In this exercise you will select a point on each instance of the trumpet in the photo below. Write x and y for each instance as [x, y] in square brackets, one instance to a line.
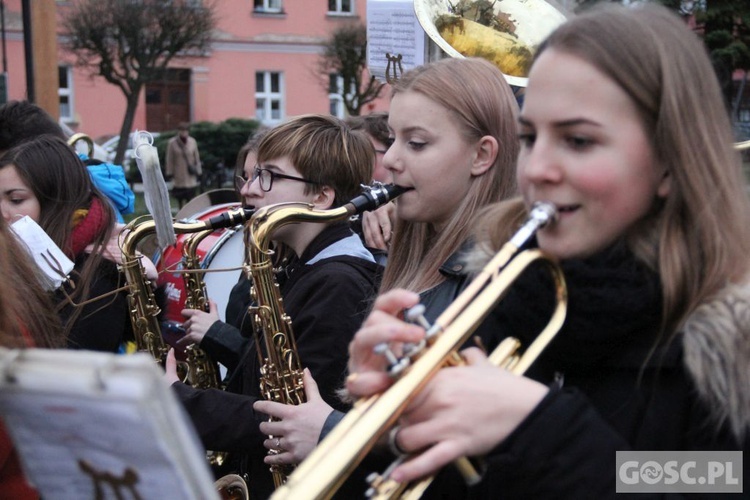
[329, 465]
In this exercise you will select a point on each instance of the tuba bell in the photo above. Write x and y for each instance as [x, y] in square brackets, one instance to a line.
[506, 32]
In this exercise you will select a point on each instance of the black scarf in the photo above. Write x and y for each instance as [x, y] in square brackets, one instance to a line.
[614, 305]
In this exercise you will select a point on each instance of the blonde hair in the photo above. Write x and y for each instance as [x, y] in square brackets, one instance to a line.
[698, 239]
[481, 103]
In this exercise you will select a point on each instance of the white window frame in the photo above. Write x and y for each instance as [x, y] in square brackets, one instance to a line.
[338, 11]
[67, 92]
[264, 115]
[337, 107]
[273, 6]
[335, 95]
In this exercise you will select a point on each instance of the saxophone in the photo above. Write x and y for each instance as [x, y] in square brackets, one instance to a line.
[204, 371]
[333, 460]
[142, 305]
[281, 370]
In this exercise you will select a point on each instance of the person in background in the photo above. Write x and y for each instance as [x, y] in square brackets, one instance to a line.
[183, 164]
[653, 237]
[22, 120]
[375, 125]
[44, 179]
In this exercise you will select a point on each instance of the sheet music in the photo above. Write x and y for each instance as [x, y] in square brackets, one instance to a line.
[392, 28]
[43, 250]
[83, 421]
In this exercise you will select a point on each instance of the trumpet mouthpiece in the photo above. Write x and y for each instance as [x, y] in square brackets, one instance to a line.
[544, 213]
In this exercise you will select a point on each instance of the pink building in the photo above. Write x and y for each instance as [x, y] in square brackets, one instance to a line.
[261, 65]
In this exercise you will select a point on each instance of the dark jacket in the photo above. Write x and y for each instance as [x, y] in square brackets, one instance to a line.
[327, 300]
[611, 390]
[102, 325]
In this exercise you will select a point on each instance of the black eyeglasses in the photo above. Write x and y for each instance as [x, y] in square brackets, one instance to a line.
[266, 179]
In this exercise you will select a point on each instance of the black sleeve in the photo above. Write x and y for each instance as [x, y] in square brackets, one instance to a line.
[225, 344]
[104, 324]
[224, 421]
[332, 420]
[566, 449]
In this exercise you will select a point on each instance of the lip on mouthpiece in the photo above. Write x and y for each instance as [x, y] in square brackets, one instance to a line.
[544, 213]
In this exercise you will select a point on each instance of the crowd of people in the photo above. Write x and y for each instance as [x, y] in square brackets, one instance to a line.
[651, 232]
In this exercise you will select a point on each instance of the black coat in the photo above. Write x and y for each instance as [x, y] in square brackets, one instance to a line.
[327, 302]
[102, 325]
[610, 390]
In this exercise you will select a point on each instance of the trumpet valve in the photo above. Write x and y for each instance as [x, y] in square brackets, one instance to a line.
[416, 315]
[395, 364]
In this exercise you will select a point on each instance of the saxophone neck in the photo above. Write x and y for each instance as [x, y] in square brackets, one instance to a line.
[373, 197]
[267, 219]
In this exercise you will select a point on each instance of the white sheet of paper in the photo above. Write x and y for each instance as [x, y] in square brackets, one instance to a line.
[392, 28]
[114, 413]
[38, 243]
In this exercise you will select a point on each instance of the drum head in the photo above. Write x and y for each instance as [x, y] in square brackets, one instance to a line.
[207, 200]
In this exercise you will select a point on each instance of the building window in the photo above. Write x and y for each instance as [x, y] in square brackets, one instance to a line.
[65, 92]
[340, 7]
[335, 84]
[267, 5]
[269, 97]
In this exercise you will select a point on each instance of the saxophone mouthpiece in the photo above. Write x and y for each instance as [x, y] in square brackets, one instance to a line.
[375, 195]
[230, 218]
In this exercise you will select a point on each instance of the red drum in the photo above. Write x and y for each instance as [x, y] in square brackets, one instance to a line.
[222, 249]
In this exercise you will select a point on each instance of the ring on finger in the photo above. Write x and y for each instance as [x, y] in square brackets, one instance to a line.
[393, 442]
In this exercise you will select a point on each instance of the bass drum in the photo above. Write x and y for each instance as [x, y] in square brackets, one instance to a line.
[222, 249]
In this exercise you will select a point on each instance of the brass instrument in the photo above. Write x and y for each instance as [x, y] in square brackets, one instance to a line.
[328, 466]
[281, 370]
[201, 371]
[141, 301]
[74, 139]
[505, 33]
[204, 370]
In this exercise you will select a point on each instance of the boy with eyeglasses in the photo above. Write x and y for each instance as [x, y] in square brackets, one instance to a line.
[327, 281]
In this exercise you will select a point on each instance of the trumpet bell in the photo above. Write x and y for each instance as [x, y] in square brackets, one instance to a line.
[504, 32]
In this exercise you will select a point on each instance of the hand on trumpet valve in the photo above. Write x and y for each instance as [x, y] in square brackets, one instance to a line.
[369, 369]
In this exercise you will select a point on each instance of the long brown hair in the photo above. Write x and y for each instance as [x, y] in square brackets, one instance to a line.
[62, 184]
[698, 239]
[480, 100]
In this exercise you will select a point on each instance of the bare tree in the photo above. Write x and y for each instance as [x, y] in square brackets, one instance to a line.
[130, 42]
[345, 55]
